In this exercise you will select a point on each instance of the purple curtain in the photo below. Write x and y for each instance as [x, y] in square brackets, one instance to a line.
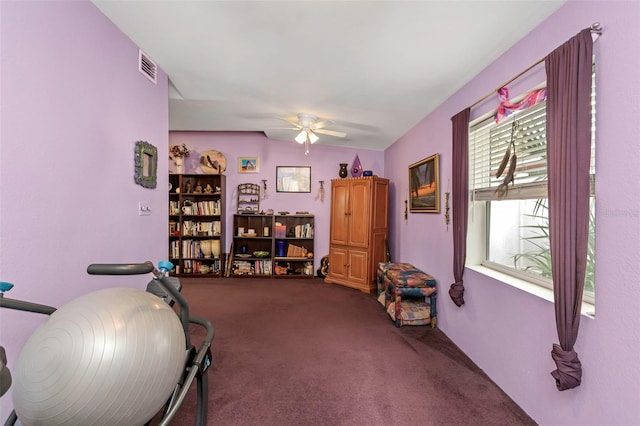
[459, 201]
[569, 70]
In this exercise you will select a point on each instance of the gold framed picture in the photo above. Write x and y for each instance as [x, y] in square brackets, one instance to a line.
[248, 164]
[424, 185]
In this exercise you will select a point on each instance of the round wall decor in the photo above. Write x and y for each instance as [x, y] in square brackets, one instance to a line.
[213, 162]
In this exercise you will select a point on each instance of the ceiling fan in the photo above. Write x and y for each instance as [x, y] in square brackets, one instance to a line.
[307, 127]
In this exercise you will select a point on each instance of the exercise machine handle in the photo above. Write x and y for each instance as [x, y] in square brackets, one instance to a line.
[21, 305]
[120, 268]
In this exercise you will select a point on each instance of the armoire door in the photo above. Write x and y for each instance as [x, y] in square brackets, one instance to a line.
[357, 267]
[339, 213]
[359, 213]
[338, 263]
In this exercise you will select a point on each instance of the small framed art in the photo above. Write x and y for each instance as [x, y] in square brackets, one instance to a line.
[248, 164]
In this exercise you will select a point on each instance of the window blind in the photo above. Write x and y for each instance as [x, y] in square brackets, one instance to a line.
[490, 141]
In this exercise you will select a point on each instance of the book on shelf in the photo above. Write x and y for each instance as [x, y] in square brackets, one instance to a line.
[296, 251]
[187, 227]
[208, 228]
[174, 207]
[262, 267]
[191, 249]
[304, 231]
[175, 249]
[199, 208]
[268, 267]
[208, 208]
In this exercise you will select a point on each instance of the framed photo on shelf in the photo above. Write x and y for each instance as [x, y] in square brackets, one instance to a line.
[248, 164]
[424, 185]
[293, 179]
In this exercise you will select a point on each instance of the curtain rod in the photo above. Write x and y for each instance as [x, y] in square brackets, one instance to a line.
[596, 31]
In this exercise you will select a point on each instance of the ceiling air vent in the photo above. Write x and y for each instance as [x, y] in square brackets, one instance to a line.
[147, 67]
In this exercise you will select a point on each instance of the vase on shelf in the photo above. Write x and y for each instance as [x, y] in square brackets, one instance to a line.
[215, 248]
[343, 173]
[205, 248]
[179, 164]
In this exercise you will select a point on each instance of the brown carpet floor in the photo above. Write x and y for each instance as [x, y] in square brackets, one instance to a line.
[302, 352]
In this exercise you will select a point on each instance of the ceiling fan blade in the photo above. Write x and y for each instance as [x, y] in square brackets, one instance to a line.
[293, 123]
[331, 133]
[284, 128]
[322, 124]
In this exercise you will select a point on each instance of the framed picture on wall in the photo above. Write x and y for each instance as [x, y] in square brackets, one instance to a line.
[146, 164]
[424, 185]
[293, 179]
[248, 164]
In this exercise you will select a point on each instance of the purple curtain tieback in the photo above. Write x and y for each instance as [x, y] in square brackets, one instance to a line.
[569, 372]
[456, 292]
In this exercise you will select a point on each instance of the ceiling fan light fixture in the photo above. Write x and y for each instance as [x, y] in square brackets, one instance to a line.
[302, 136]
[307, 126]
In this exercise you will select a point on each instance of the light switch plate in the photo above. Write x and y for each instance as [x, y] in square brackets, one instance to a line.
[144, 209]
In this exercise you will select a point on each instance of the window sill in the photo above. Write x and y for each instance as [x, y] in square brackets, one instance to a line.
[588, 310]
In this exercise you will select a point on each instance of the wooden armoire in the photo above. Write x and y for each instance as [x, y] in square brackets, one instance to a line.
[359, 230]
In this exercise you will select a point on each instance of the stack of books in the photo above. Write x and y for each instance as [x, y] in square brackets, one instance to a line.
[296, 251]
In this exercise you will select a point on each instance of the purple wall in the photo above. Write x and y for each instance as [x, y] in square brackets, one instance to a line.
[507, 332]
[73, 106]
[323, 159]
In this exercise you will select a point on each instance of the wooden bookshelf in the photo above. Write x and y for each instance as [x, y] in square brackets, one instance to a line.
[197, 224]
[286, 240]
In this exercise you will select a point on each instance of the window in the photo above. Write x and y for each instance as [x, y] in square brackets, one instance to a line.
[511, 222]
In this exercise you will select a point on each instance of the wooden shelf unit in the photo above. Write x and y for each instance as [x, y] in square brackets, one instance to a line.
[248, 198]
[288, 239]
[197, 220]
[251, 233]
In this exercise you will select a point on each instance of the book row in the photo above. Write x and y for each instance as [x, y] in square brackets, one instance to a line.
[199, 267]
[296, 251]
[298, 231]
[195, 208]
[258, 267]
[195, 249]
[190, 228]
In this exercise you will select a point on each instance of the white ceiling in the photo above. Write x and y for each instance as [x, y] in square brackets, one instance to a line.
[375, 68]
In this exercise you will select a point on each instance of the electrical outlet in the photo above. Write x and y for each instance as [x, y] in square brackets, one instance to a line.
[143, 209]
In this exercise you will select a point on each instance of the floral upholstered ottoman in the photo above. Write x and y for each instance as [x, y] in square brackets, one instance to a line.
[407, 294]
